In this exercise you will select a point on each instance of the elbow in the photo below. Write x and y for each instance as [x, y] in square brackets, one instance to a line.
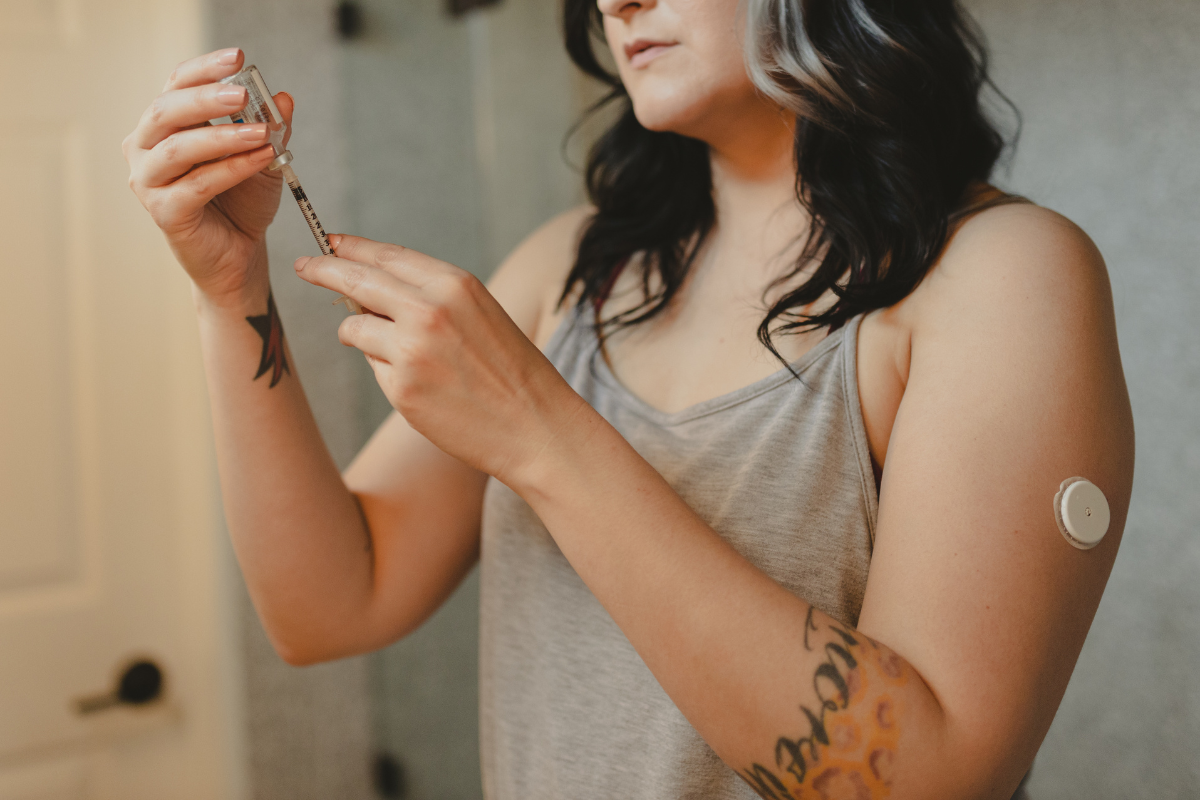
[297, 654]
[305, 650]
[306, 646]
[298, 657]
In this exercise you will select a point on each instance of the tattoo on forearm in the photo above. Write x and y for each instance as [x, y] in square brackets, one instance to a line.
[850, 743]
[274, 354]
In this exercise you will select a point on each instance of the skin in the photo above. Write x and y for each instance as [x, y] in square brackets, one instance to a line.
[992, 382]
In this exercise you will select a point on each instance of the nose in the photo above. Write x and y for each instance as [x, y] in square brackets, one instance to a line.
[624, 9]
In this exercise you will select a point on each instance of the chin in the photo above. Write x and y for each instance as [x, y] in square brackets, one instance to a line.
[695, 105]
[671, 112]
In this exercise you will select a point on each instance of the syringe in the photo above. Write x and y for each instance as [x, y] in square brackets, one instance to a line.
[260, 108]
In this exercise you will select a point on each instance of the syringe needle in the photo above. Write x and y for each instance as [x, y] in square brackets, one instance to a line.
[314, 225]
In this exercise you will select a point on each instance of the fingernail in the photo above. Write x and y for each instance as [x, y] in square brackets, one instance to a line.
[300, 262]
[230, 56]
[232, 95]
[252, 133]
[334, 240]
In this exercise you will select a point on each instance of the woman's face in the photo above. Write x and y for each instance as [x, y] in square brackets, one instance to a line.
[681, 62]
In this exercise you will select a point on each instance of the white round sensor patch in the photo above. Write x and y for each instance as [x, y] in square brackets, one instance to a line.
[1081, 511]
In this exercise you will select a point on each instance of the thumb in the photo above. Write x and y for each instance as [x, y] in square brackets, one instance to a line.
[286, 106]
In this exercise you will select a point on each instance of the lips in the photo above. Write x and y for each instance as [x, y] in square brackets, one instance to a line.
[641, 52]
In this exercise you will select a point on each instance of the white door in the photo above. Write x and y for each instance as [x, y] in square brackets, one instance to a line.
[109, 548]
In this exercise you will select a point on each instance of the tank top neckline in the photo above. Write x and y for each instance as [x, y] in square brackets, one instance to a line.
[574, 322]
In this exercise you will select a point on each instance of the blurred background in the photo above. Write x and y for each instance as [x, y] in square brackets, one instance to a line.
[441, 127]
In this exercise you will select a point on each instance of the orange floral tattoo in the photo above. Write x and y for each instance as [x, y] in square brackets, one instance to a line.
[850, 746]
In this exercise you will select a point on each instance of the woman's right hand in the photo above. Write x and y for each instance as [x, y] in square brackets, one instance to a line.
[204, 185]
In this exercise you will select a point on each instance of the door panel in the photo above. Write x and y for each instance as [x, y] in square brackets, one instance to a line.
[38, 489]
[40, 24]
[109, 536]
[60, 780]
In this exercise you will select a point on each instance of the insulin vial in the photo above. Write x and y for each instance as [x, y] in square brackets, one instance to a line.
[260, 108]
[1081, 511]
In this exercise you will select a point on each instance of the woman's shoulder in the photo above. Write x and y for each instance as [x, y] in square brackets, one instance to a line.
[1030, 264]
[1019, 310]
[530, 280]
[1018, 286]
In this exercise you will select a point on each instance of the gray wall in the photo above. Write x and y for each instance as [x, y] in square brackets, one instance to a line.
[1110, 90]
[454, 128]
[410, 118]
[309, 731]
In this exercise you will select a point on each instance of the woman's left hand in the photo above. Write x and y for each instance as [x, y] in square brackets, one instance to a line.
[446, 354]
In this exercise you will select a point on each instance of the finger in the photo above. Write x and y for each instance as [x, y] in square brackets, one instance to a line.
[208, 68]
[286, 106]
[410, 266]
[183, 150]
[186, 108]
[207, 181]
[374, 336]
[370, 286]
[383, 370]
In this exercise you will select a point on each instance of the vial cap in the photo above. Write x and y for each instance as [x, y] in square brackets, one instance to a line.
[280, 161]
[1081, 510]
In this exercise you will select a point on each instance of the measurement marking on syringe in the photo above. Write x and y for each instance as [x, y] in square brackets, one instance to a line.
[314, 225]
[310, 216]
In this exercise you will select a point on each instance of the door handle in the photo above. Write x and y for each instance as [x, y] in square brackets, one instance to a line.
[140, 683]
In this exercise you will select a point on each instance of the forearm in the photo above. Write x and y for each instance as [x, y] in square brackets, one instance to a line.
[779, 690]
[299, 536]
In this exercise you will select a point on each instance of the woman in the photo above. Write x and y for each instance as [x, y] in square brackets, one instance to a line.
[693, 585]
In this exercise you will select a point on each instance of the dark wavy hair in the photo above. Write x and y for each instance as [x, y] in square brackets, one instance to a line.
[891, 136]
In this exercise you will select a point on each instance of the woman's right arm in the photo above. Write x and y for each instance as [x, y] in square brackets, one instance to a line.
[335, 567]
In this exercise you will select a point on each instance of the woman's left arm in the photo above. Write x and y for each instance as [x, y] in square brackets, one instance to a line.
[976, 607]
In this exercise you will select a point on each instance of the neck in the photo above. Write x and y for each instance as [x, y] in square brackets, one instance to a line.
[754, 190]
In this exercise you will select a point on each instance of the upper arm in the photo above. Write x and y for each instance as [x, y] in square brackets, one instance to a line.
[423, 507]
[1015, 384]
[528, 283]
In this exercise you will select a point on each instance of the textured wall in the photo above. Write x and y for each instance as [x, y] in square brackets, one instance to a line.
[1110, 90]
[454, 129]
[309, 729]
[407, 85]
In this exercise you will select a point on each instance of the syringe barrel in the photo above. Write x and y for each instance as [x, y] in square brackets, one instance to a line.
[260, 108]
[310, 216]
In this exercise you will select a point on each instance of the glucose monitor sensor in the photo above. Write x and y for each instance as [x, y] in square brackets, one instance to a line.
[1081, 511]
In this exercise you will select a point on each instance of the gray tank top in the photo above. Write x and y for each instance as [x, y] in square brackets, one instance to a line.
[779, 468]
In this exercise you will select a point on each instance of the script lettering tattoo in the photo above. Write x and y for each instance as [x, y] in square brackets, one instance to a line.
[274, 355]
[850, 743]
[809, 625]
